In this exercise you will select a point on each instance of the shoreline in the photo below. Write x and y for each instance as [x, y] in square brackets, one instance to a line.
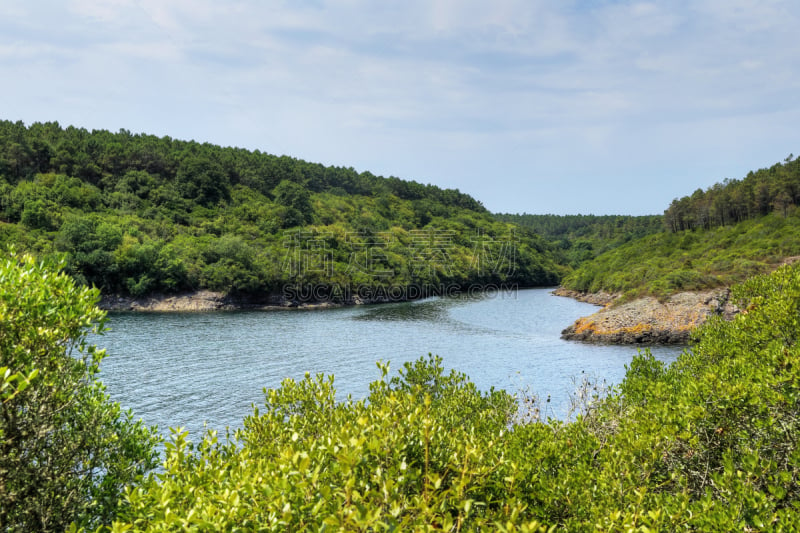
[595, 298]
[206, 300]
[647, 320]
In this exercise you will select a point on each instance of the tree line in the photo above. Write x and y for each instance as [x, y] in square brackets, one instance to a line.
[767, 190]
[579, 238]
[201, 172]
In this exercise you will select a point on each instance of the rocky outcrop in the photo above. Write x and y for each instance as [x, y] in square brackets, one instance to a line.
[204, 300]
[193, 301]
[650, 321]
[596, 298]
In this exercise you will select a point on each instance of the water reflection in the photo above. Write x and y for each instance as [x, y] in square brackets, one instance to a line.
[428, 310]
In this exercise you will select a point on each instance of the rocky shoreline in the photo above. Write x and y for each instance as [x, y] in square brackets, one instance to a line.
[596, 298]
[647, 320]
[643, 321]
[204, 300]
[184, 302]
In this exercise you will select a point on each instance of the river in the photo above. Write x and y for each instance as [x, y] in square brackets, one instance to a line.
[191, 369]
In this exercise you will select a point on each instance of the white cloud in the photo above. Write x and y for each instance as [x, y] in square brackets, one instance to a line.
[438, 90]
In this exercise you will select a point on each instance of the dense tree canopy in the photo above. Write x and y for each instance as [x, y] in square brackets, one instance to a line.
[137, 214]
[668, 262]
[580, 238]
[714, 238]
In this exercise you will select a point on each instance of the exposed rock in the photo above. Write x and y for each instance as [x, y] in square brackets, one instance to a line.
[198, 301]
[596, 298]
[193, 301]
[649, 321]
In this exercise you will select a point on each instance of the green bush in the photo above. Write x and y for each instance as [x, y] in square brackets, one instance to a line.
[423, 452]
[66, 451]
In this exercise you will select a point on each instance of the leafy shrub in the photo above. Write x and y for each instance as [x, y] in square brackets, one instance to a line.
[66, 451]
[415, 455]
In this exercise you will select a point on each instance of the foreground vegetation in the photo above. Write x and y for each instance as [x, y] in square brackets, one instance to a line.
[66, 450]
[708, 443]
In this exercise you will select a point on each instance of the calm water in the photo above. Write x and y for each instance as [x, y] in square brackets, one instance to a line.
[188, 368]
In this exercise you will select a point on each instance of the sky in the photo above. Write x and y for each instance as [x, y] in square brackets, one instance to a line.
[536, 106]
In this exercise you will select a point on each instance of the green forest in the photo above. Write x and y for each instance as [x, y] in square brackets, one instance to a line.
[714, 238]
[774, 189]
[576, 239]
[137, 214]
[667, 262]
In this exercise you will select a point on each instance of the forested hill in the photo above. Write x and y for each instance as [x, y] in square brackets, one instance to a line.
[201, 174]
[579, 238]
[768, 190]
[137, 214]
[717, 237]
[606, 227]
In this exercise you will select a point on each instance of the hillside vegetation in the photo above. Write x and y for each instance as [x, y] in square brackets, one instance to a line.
[703, 245]
[669, 262]
[579, 238]
[137, 214]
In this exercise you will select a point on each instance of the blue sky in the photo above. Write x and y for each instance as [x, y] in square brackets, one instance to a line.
[604, 107]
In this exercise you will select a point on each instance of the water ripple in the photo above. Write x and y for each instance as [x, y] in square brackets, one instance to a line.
[186, 369]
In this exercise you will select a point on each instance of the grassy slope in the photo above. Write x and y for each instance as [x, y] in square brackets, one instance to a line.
[691, 260]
